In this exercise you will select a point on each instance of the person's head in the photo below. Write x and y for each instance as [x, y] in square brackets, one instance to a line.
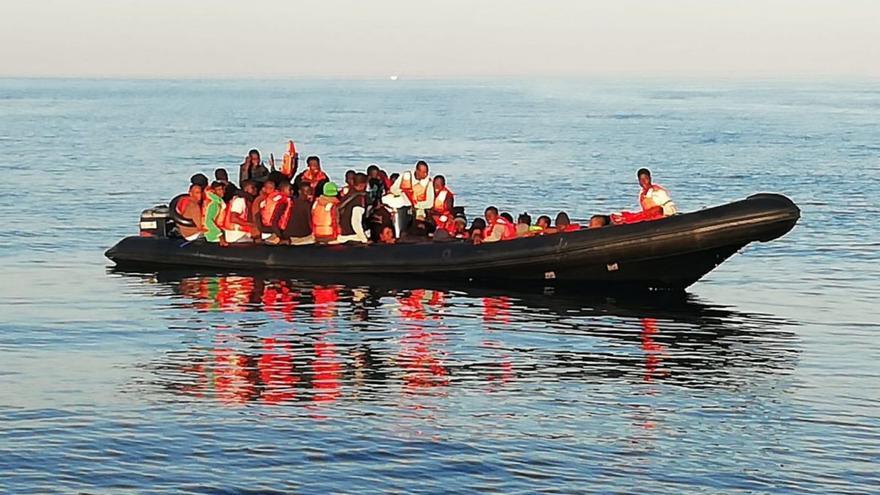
[562, 220]
[394, 177]
[439, 183]
[221, 175]
[373, 171]
[218, 188]
[460, 224]
[250, 187]
[507, 216]
[478, 226]
[524, 218]
[491, 214]
[349, 177]
[597, 221]
[200, 180]
[306, 191]
[543, 222]
[268, 187]
[285, 188]
[254, 158]
[359, 182]
[195, 192]
[314, 163]
[386, 235]
[421, 170]
[644, 176]
[330, 190]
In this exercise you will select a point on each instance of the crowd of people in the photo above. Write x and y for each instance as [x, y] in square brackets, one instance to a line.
[277, 205]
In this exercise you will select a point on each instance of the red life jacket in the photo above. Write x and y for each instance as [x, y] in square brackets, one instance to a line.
[442, 216]
[509, 229]
[314, 179]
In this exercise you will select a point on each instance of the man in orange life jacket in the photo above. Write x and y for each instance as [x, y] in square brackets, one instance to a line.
[412, 189]
[444, 201]
[325, 215]
[272, 213]
[237, 226]
[312, 175]
[498, 228]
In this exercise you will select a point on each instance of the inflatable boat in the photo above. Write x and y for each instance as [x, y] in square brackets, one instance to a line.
[666, 254]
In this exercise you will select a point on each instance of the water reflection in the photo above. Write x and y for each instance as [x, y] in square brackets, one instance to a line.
[286, 341]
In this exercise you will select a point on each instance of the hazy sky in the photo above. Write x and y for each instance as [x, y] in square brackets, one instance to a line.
[443, 39]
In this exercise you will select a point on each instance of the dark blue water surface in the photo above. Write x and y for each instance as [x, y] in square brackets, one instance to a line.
[764, 378]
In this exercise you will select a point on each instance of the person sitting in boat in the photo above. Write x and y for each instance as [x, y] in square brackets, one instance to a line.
[299, 228]
[192, 211]
[312, 175]
[654, 200]
[563, 223]
[229, 189]
[349, 184]
[477, 231]
[653, 195]
[444, 202]
[325, 215]
[377, 184]
[597, 221]
[457, 230]
[237, 227]
[386, 235]
[272, 209]
[498, 228]
[352, 211]
[215, 214]
[380, 217]
[252, 168]
[412, 189]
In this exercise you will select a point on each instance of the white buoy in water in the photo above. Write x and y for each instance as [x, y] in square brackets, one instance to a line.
[394, 77]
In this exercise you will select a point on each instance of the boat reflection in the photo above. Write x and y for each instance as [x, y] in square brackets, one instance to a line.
[278, 341]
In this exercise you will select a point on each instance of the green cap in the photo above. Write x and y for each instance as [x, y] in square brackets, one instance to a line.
[330, 189]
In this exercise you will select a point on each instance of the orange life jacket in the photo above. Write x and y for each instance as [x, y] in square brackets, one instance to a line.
[269, 206]
[509, 231]
[289, 158]
[325, 222]
[314, 179]
[440, 200]
[414, 190]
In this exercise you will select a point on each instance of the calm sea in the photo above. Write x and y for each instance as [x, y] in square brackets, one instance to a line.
[764, 378]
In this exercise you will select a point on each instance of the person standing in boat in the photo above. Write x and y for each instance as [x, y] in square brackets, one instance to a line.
[252, 168]
[653, 196]
[414, 189]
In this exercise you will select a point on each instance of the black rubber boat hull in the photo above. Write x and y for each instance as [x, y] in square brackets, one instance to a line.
[671, 253]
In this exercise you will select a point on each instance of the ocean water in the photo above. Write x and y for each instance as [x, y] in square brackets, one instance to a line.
[763, 378]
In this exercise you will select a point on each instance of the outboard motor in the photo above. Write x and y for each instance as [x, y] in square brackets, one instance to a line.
[156, 222]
